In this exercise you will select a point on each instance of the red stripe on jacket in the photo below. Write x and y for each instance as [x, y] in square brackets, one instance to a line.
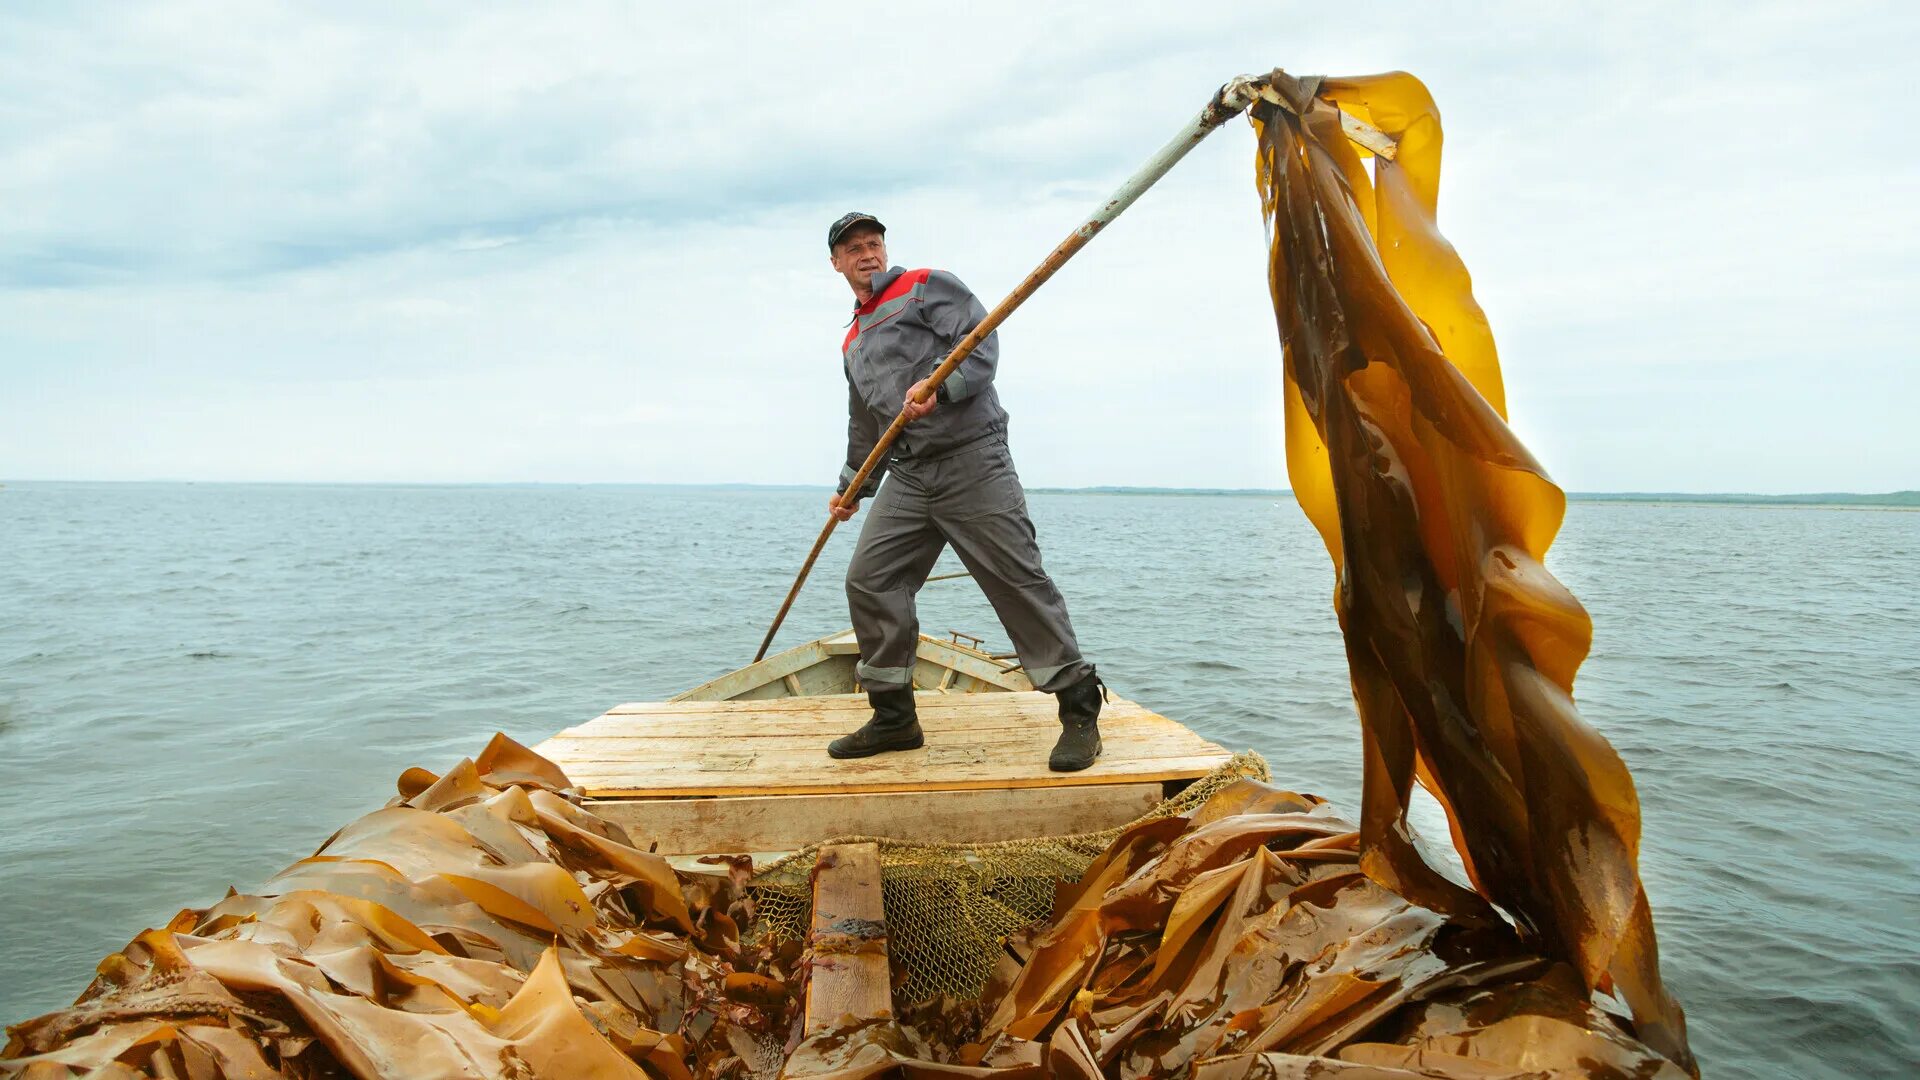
[901, 286]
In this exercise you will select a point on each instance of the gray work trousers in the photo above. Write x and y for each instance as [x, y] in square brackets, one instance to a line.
[974, 501]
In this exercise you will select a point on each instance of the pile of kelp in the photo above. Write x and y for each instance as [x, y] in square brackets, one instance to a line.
[1243, 940]
[484, 924]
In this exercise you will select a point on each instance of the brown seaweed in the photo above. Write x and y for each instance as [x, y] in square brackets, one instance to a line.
[1462, 647]
[481, 925]
[1245, 940]
[472, 930]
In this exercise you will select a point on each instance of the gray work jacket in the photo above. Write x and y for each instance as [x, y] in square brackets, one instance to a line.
[897, 338]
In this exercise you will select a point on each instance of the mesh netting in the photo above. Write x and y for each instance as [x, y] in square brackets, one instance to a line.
[949, 906]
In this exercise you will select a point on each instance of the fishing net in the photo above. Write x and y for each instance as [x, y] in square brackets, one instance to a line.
[950, 907]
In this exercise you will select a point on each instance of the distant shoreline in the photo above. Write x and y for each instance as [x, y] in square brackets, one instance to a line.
[1897, 500]
[1893, 500]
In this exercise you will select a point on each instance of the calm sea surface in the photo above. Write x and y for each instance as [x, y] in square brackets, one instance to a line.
[198, 683]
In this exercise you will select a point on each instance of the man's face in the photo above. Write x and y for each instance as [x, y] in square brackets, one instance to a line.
[859, 255]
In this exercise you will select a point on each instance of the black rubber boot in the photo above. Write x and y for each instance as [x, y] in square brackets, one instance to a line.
[894, 726]
[1079, 725]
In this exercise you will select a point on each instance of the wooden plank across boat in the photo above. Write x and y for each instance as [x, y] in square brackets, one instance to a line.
[739, 764]
[825, 667]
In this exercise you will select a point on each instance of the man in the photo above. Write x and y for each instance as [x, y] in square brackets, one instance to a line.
[952, 483]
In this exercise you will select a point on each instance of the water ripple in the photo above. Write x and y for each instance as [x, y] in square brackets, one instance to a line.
[198, 683]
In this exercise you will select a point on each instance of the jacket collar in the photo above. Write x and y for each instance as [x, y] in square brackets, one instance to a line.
[880, 282]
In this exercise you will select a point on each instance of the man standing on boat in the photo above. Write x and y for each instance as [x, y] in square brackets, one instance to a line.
[952, 483]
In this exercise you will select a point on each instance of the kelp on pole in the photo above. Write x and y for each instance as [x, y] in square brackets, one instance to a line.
[1462, 647]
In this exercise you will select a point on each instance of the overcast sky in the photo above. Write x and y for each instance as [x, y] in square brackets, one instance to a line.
[242, 241]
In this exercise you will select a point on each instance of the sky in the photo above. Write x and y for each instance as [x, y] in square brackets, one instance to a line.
[586, 242]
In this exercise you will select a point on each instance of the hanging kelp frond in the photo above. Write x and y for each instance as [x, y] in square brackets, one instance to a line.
[1462, 646]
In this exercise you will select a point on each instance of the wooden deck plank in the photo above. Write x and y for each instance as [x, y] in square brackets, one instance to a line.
[981, 709]
[988, 700]
[617, 784]
[778, 748]
[974, 741]
[807, 729]
[677, 826]
[937, 712]
[849, 940]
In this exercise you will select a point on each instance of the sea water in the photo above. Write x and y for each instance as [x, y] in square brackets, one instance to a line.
[198, 683]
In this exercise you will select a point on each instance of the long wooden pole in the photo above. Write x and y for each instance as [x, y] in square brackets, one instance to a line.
[1228, 103]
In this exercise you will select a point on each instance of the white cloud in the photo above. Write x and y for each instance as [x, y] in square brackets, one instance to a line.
[584, 242]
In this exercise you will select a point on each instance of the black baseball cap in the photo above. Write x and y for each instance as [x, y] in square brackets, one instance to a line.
[848, 221]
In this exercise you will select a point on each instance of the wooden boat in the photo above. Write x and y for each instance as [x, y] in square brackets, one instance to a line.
[739, 763]
[826, 667]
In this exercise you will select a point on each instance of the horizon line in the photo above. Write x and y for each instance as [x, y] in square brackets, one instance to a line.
[1905, 496]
